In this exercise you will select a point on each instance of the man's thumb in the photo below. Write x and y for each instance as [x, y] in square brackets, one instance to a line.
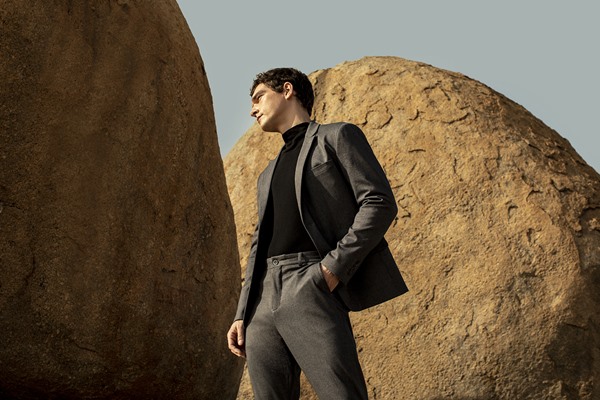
[240, 337]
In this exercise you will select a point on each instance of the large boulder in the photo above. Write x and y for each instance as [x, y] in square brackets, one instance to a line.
[118, 261]
[498, 236]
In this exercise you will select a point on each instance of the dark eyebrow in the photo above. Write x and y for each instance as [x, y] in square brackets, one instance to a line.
[257, 94]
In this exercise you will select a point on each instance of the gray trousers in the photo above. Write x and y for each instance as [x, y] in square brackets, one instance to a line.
[299, 325]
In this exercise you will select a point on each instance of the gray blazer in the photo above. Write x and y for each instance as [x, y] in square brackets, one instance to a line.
[346, 205]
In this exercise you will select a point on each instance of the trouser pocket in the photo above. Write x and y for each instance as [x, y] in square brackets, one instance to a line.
[318, 280]
[275, 278]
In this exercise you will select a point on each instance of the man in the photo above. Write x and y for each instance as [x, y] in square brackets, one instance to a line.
[324, 205]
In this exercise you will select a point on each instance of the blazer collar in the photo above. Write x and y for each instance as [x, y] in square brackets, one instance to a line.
[312, 129]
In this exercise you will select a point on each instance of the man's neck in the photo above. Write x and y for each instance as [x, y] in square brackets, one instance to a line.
[298, 119]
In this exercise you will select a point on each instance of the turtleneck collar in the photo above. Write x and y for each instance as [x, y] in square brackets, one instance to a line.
[295, 133]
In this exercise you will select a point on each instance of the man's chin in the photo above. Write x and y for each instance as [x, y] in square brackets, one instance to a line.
[267, 128]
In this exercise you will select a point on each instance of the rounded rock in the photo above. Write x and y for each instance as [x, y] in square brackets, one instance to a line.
[497, 236]
[118, 259]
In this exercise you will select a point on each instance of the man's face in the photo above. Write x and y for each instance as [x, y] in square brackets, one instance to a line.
[268, 107]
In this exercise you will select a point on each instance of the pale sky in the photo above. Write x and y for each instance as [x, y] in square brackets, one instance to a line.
[541, 54]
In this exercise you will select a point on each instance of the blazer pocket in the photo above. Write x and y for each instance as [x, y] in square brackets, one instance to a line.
[319, 169]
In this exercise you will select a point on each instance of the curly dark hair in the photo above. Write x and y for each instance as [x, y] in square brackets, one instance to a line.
[276, 77]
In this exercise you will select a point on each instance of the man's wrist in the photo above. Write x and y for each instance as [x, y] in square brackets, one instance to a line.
[330, 278]
[327, 270]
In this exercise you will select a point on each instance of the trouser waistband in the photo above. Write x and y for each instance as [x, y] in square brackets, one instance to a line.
[300, 258]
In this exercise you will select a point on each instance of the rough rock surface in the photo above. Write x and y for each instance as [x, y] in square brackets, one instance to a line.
[498, 236]
[118, 259]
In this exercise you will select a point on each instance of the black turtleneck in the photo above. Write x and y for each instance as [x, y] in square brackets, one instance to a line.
[288, 235]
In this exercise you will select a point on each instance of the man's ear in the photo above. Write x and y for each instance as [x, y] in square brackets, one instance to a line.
[288, 90]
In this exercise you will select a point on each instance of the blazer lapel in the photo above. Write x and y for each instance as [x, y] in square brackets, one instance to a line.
[306, 145]
[264, 187]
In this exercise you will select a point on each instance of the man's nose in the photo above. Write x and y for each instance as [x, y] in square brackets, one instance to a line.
[253, 111]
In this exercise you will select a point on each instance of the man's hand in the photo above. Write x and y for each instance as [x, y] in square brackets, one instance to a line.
[330, 278]
[236, 340]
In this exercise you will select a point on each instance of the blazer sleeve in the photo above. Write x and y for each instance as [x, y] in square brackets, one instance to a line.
[376, 204]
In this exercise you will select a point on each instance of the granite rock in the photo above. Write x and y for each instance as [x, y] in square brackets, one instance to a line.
[118, 260]
[497, 235]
